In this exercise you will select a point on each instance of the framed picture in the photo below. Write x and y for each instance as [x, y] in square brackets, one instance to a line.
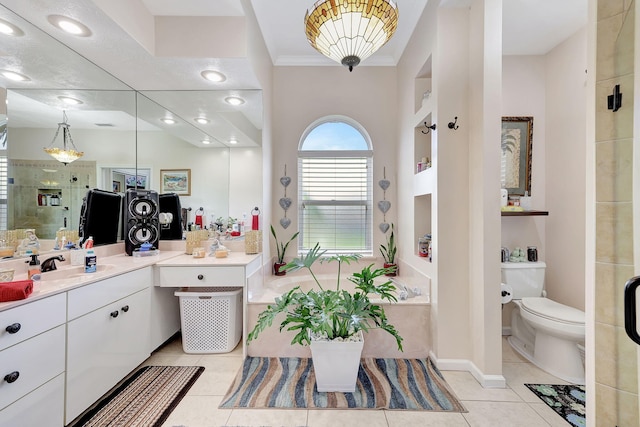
[515, 164]
[175, 181]
[116, 186]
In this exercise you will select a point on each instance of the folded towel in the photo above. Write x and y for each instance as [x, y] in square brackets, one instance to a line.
[13, 291]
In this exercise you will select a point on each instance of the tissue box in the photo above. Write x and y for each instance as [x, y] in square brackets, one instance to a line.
[525, 202]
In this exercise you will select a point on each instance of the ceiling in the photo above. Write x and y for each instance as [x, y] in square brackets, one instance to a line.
[530, 27]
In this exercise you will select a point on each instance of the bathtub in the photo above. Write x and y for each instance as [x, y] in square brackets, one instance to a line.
[410, 317]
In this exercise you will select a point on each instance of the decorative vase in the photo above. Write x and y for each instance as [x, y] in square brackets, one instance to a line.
[336, 364]
[277, 268]
[387, 265]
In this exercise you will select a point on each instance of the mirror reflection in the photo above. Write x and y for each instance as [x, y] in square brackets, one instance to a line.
[125, 136]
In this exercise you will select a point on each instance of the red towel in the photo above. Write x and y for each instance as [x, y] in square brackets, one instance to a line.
[13, 291]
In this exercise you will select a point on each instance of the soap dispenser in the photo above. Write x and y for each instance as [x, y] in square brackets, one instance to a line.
[34, 266]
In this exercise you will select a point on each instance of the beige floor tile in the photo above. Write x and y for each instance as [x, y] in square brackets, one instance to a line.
[549, 415]
[173, 359]
[502, 414]
[217, 376]
[358, 417]
[268, 417]
[198, 411]
[509, 355]
[467, 388]
[425, 419]
[519, 374]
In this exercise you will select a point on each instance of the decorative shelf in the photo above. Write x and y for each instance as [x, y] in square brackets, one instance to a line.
[524, 213]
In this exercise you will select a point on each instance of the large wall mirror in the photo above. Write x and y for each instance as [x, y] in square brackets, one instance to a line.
[124, 134]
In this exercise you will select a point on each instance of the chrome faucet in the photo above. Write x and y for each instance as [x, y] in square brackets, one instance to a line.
[49, 264]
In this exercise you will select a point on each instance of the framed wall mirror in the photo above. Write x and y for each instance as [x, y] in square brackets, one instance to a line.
[515, 164]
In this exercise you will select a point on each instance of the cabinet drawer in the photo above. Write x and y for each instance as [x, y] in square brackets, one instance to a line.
[32, 319]
[44, 407]
[37, 360]
[201, 276]
[91, 297]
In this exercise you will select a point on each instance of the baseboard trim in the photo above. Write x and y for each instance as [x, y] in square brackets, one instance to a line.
[506, 331]
[486, 381]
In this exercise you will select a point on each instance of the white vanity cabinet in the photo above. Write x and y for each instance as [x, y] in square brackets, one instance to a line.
[32, 353]
[107, 336]
[238, 269]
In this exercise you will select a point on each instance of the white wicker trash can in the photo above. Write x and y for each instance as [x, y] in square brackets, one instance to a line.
[211, 319]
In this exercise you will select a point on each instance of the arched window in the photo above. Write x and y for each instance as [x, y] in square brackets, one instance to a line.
[334, 187]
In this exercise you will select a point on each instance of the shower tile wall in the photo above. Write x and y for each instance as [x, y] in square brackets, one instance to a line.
[616, 363]
[31, 177]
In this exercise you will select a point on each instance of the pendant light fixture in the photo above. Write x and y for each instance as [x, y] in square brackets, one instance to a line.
[68, 153]
[349, 31]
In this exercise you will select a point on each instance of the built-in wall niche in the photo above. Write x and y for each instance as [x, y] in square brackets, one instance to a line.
[422, 222]
[422, 146]
[422, 86]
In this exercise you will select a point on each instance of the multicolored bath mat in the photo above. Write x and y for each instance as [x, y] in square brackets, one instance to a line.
[567, 400]
[145, 399]
[289, 382]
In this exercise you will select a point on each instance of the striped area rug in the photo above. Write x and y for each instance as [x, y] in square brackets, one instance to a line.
[289, 382]
[143, 400]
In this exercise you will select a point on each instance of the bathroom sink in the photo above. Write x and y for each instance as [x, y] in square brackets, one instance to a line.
[72, 272]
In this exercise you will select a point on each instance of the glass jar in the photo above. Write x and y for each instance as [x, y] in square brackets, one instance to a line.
[424, 245]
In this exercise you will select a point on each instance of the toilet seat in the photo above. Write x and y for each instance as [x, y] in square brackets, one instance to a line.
[549, 309]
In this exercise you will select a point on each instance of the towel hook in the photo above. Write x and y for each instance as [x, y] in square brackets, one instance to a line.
[453, 125]
[432, 127]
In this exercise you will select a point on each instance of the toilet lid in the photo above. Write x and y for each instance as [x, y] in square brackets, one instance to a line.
[552, 310]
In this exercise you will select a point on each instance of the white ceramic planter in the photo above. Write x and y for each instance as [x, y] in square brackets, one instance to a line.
[336, 364]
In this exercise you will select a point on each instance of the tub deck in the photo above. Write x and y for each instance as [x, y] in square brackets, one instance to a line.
[411, 317]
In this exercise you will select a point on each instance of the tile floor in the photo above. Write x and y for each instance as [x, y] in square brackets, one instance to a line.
[512, 406]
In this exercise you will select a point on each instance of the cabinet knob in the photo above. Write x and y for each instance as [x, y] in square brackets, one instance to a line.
[125, 308]
[114, 314]
[12, 329]
[200, 276]
[12, 377]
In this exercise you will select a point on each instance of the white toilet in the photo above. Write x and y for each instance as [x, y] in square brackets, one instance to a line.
[545, 332]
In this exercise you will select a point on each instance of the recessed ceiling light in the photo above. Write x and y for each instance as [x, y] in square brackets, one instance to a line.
[70, 101]
[234, 100]
[206, 141]
[9, 29]
[12, 75]
[233, 141]
[201, 120]
[69, 25]
[213, 76]
[168, 121]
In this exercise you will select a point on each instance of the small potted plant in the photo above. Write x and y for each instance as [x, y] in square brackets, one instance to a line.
[281, 251]
[388, 252]
[332, 321]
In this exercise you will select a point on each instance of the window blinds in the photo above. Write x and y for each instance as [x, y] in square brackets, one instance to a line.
[335, 201]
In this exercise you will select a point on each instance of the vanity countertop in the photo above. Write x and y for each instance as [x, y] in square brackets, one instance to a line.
[235, 259]
[119, 264]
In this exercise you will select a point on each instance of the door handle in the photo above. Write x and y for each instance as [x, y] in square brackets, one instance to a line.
[630, 308]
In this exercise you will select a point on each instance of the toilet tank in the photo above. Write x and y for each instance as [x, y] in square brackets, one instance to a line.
[525, 278]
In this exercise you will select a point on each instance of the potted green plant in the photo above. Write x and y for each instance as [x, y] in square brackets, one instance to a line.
[388, 252]
[332, 321]
[281, 249]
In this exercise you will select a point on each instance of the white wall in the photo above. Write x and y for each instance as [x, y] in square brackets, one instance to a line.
[304, 94]
[565, 169]
[552, 89]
